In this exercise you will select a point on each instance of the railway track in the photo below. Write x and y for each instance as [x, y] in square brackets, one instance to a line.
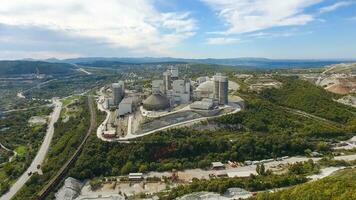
[62, 172]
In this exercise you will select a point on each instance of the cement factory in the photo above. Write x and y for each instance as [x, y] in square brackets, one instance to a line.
[172, 100]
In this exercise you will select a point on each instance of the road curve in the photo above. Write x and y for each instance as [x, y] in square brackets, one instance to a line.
[41, 154]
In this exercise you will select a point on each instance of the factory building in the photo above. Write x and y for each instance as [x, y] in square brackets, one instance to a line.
[204, 104]
[174, 73]
[167, 80]
[221, 86]
[158, 86]
[125, 106]
[118, 90]
[181, 91]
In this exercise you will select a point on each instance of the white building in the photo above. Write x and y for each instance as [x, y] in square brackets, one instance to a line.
[125, 106]
[158, 86]
[118, 90]
[70, 190]
[174, 73]
[181, 91]
[205, 104]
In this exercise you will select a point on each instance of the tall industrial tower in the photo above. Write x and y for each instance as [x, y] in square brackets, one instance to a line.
[118, 90]
[221, 85]
[167, 80]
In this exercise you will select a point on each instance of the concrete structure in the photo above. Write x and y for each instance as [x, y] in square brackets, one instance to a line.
[158, 86]
[118, 91]
[156, 102]
[221, 86]
[125, 106]
[205, 104]
[135, 176]
[174, 73]
[109, 133]
[181, 91]
[70, 190]
[167, 81]
[217, 165]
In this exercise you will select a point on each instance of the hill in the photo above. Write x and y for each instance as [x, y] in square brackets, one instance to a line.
[10, 68]
[340, 186]
[302, 95]
[256, 63]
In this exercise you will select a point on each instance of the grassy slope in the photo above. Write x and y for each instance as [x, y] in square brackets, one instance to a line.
[29, 67]
[305, 96]
[341, 186]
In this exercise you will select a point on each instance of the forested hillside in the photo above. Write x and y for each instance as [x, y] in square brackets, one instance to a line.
[341, 186]
[30, 67]
[302, 95]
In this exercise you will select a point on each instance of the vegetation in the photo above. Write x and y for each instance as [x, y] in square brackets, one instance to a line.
[17, 134]
[66, 86]
[220, 185]
[66, 139]
[302, 95]
[32, 67]
[267, 132]
[340, 186]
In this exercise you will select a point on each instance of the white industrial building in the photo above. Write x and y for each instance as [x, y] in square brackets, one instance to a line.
[118, 90]
[204, 104]
[158, 86]
[181, 91]
[125, 106]
[174, 72]
[70, 190]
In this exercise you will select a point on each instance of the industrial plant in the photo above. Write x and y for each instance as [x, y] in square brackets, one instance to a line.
[175, 99]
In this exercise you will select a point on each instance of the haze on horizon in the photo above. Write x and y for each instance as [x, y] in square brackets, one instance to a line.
[293, 29]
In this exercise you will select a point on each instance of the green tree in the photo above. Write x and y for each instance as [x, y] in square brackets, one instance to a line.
[127, 168]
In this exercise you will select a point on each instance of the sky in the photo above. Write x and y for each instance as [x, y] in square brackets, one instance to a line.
[279, 29]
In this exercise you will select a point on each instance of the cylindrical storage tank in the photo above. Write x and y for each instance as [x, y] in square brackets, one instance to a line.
[216, 87]
[167, 81]
[117, 93]
[223, 91]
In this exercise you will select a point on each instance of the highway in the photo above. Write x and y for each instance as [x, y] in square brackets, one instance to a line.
[41, 154]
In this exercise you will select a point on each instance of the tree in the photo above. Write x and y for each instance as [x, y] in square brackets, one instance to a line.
[260, 169]
[143, 168]
[127, 168]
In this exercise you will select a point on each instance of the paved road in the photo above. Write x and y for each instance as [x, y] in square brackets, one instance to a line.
[64, 169]
[41, 154]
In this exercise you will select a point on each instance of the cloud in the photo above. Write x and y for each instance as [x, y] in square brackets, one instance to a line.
[135, 24]
[279, 34]
[222, 40]
[245, 16]
[335, 6]
[6, 54]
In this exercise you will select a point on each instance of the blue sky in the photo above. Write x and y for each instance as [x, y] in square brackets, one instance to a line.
[294, 29]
